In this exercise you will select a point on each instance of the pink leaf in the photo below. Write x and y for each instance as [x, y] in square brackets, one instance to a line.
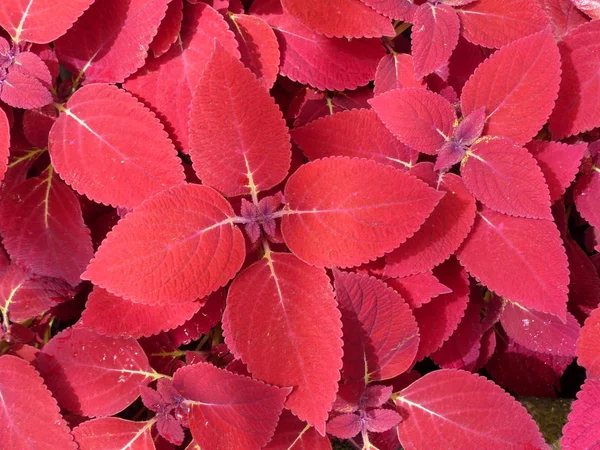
[503, 253]
[99, 46]
[93, 375]
[588, 346]
[28, 82]
[29, 415]
[434, 37]
[106, 145]
[239, 142]
[151, 255]
[344, 426]
[531, 68]
[418, 289]
[292, 306]
[563, 15]
[293, 433]
[496, 23]
[396, 71]
[166, 84]
[582, 430]
[505, 176]
[335, 218]
[465, 410]
[112, 433]
[380, 420]
[168, 30]
[590, 7]
[356, 21]
[578, 108]
[381, 337]
[586, 193]
[356, 133]
[4, 143]
[39, 21]
[228, 410]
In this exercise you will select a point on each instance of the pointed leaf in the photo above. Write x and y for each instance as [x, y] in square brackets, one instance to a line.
[228, 410]
[112, 433]
[292, 433]
[421, 119]
[151, 256]
[505, 176]
[93, 375]
[418, 289]
[582, 430]
[465, 409]
[396, 71]
[293, 306]
[520, 105]
[29, 415]
[503, 253]
[239, 142]
[168, 31]
[588, 346]
[106, 145]
[336, 218]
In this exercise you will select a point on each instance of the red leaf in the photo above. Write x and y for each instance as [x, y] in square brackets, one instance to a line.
[381, 337]
[380, 420]
[418, 289]
[258, 46]
[43, 229]
[463, 62]
[4, 143]
[228, 410]
[27, 84]
[590, 7]
[93, 375]
[293, 306]
[293, 433]
[421, 119]
[306, 56]
[583, 424]
[542, 333]
[466, 411]
[239, 142]
[563, 15]
[344, 426]
[584, 284]
[151, 256]
[29, 415]
[588, 346]
[114, 316]
[396, 9]
[112, 433]
[496, 23]
[356, 21]
[168, 30]
[201, 322]
[443, 231]
[396, 71]
[434, 37]
[335, 218]
[37, 124]
[166, 84]
[505, 176]
[105, 142]
[578, 108]
[355, 133]
[111, 40]
[520, 105]
[503, 253]
[39, 21]
[586, 193]
[559, 163]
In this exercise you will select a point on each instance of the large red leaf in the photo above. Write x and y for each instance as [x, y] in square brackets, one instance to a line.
[111, 40]
[503, 252]
[113, 433]
[311, 58]
[582, 430]
[578, 108]
[586, 193]
[239, 142]
[114, 316]
[94, 375]
[395, 71]
[106, 145]
[396, 9]
[4, 143]
[345, 212]
[29, 416]
[457, 409]
[355, 133]
[588, 346]
[434, 37]
[563, 15]
[421, 119]
[229, 411]
[168, 31]
[381, 337]
[293, 434]
[43, 228]
[166, 84]
[519, 102]
[40, 21]
[505, 176]
[496, 23]
[280, 337]
[418, 289]
[443, 231]
[542, 333]
[151, 256]
[339, 18]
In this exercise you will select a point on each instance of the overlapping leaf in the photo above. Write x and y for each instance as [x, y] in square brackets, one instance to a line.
[563, 15]
[583, 424]
[396, 9]
[168, 31]
[292, 433]
[418, 289]
[395, 71]
[27, 83]
[112, 433]
[590, 7]
[588, 346]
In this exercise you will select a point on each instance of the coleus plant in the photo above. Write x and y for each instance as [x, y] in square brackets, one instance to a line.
[260, 224]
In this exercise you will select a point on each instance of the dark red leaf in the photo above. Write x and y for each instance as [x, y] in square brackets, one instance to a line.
[201, 323]
[168, 30]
